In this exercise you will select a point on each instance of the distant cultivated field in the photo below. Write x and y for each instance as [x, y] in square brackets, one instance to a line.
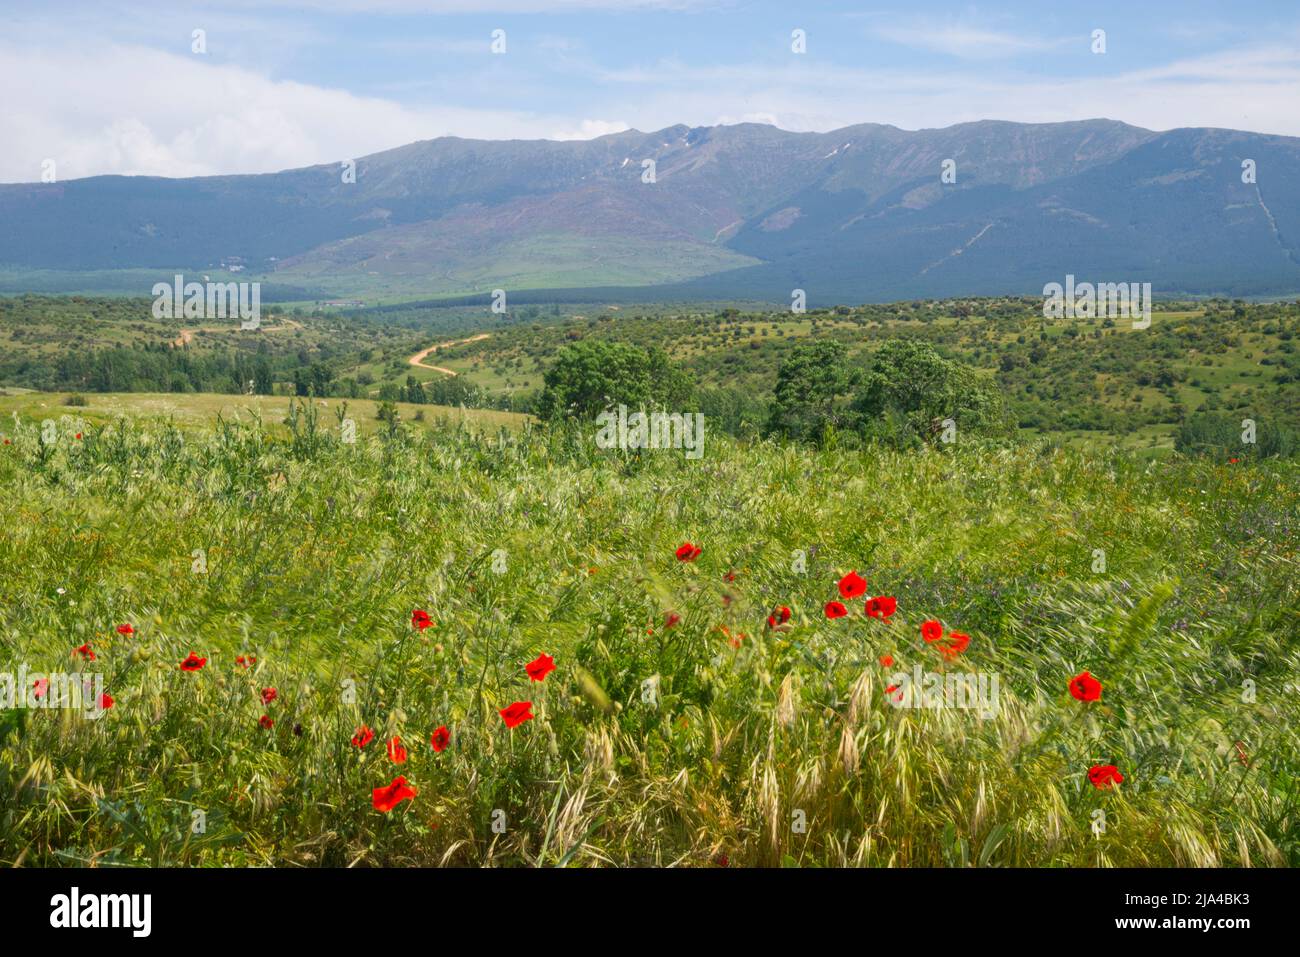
[192, 410]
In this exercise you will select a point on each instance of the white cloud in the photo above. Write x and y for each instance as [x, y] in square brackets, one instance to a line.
[590, 129]
[965, 42]
[104, 108]
[138, 111]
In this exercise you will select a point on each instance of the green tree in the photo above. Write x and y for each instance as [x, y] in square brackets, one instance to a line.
[593, 375]
[813, 389]
[909, 389]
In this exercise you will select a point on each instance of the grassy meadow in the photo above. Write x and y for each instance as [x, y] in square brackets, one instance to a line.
[679, 726]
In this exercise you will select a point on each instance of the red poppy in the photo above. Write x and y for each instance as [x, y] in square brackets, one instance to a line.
[244, 662]
[835, 609]
[956, 644]
[671, 619]
[7, 442]
[269, 695]
[193, 662]
[420, 619]
[387, 798]
[539, 668]
[517, 713]
[1103, 776]
[779, 617]
[440, 738]
[887, 661]
[1085, 687]
[41, 685]
[363, 736]
[396, 753]
[85, 652]
[78, 435]
[125, 630]
[686, 552]
[931, 630]
[731, 576]
[881, 607]
[852, 585]
[105, 701]
[265, 721]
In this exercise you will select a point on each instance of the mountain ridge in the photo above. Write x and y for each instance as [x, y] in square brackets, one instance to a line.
[861, 212]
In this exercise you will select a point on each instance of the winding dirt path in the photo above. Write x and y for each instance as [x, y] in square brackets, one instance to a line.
[187, 335]
[418, 358]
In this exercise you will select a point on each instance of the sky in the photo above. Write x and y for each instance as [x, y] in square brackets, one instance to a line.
[114, 87]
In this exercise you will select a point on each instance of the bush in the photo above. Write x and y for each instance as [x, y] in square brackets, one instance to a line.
[1224, 436]
[593, 375]
[77, 400]
[910, 390]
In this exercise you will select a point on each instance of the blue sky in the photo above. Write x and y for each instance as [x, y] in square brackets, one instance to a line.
[109, 87]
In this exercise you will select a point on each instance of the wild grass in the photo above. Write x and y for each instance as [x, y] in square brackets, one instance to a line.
[776, 748]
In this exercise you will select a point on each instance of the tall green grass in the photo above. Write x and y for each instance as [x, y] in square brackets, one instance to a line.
[783, 750]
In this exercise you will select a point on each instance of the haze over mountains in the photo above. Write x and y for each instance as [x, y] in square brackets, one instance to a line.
[745, 211]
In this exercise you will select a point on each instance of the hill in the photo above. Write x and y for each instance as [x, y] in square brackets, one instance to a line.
[858, 214]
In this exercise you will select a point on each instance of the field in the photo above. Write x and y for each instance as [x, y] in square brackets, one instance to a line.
[200, 411]
[717, 738]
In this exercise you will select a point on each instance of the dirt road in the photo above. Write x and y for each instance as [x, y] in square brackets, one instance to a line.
[187, 335]
[418, 358]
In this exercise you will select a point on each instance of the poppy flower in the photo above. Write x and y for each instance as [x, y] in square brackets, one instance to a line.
[420, 619]
[269, 695]
[671, 619]
[85, 652]
[125, 630]
[686, 552]
[779, 617]
[105, 701]
[539, 668]
[7, 442]
[193, 662]
[1103, 776]
[266, 722]
[439, 739]
[41, 685]
[244, 662]
[1085, 687]
[956, 644]
[881, 607]
[78, 435]
[731, 576]
[835, 609]
[396, 753]
[852, 585]
[931, 630]
[517, 713]
[887, 661]
[363, 736]
[387, 798]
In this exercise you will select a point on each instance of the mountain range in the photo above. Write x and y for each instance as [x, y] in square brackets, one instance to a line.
[746, 211]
